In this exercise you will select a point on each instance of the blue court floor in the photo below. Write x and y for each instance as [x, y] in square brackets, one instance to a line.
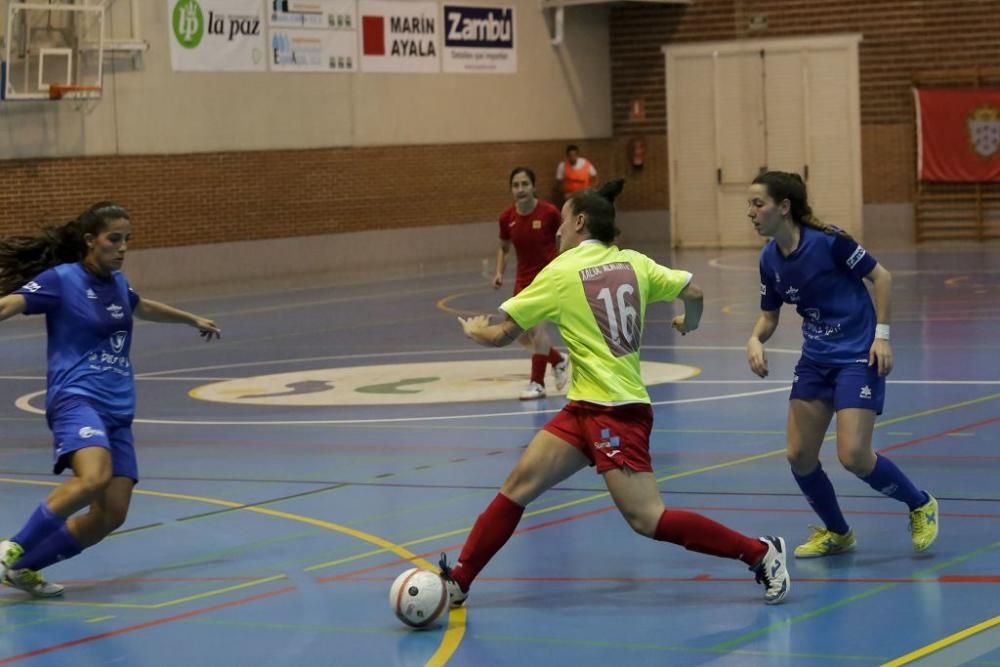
[338, 432]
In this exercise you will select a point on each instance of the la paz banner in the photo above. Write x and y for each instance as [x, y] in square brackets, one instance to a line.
[217, 35]
[958, 134]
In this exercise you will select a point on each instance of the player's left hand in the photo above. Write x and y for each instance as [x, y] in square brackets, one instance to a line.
[680, 323]
[880, 355]
[471, 325]
[207, 329]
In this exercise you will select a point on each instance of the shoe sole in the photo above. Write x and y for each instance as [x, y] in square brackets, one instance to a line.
[832, 553]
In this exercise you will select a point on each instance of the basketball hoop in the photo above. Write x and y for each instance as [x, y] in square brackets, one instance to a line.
[73, 92]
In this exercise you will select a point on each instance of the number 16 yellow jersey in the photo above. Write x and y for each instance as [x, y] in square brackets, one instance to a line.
[597, 295]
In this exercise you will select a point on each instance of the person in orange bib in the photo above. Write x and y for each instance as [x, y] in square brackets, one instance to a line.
[575, 173]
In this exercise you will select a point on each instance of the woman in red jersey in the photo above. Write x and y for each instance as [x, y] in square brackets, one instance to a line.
[530, 225]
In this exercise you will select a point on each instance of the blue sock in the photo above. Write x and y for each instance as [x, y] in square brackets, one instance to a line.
[42, 523]
[818, 490]
[890, 481]
[60, 546]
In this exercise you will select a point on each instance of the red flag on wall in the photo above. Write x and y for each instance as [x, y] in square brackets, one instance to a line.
[958, 134]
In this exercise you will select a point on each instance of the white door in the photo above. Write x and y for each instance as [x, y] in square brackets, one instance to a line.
[740, 149]
[783, 104]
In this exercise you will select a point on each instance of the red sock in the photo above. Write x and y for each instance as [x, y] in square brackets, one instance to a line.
[695, 532]
[554, 356]
[538, 362]
[492, 530]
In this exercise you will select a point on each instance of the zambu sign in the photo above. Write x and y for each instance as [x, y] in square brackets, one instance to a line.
[479, 39]
[217, 35]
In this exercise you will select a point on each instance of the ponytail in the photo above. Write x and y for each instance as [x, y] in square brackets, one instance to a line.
[23, 257]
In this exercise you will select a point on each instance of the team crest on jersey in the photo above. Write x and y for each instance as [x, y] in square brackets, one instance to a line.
[984, 130]
[91, 294]
[852, 261]
[118, 339]
[32, 287]
[116, 311]
[536, 224]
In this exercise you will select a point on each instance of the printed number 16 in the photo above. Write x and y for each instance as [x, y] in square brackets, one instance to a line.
[621, 322]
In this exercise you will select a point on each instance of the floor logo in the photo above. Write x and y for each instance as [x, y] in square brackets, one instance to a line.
[400, 384]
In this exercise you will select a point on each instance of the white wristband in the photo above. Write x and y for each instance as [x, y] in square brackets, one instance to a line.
[882, 331]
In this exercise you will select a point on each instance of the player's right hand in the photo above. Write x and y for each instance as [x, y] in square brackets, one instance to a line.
[756, 357]
[497, 281]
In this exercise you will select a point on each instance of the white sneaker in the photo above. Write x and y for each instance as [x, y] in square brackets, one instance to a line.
[533, 392]
[772, 571]
[33, 583]
[561, 373]
[456, 596]
[10, 552]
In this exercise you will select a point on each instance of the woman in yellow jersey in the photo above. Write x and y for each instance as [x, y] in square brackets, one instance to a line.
[597, 295]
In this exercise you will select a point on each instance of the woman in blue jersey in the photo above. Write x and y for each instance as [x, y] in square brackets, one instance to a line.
[597, 295]
[72, 274]
[845, 357]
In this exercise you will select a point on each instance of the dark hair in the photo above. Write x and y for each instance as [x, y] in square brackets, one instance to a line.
[24, 257]
[572, 147]
[517, 170]
[783, 185]
[598, 208]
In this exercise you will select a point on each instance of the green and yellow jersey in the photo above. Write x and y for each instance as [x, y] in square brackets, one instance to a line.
[597, 295]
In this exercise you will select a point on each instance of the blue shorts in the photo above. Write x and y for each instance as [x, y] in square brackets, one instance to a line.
[75, 424]
[854, 386]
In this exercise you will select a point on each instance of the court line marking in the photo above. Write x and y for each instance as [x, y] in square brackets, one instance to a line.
[23, 403]
[450, 639]
[943, 643]
[605, 494]
[454, 633]
[141, 626]
[756, 634]
[239, 312]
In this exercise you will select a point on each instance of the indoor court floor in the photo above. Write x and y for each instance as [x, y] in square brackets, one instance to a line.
[340, 430]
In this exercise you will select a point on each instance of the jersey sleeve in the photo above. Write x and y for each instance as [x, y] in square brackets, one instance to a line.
[561, 171]
[769, 297]
[43, 294]
[591, 169]
[536, 303]
[665, 284]
[850, 255]
[504, 226]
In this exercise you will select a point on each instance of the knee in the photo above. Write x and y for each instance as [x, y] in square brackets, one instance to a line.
[860, 462]
[802, 463]
[520, 486]
[643, 522]
[95, 483]
[113, 518]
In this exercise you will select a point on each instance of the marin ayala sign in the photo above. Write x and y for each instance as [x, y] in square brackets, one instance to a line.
[399, 36]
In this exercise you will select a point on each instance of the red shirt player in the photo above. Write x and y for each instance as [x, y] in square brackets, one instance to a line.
[530, 225]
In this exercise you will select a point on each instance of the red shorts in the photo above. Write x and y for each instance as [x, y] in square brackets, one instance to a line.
[609, 436]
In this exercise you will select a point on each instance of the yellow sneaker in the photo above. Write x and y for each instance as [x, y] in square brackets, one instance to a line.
[33, 583]
[924, 524]
[825, 542]
[10, 552]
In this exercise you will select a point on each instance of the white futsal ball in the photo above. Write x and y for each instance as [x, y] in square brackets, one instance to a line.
[418, 597]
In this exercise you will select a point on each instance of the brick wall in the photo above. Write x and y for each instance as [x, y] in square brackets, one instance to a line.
[214, 197]
[900, 37]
